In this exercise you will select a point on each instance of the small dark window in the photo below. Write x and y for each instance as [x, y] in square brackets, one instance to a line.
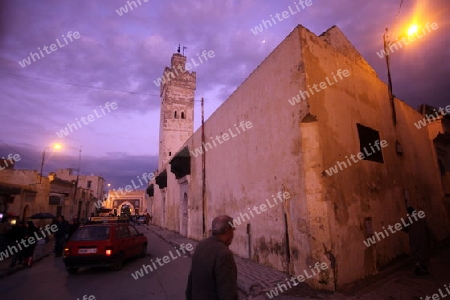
[170, 153]
[175, 115]
[369, 144]
[182, 115]
[89, 184]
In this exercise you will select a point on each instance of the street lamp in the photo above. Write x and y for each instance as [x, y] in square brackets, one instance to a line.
[387, 44]
[108, 202]
[56, 147]
[107, 190]
[413, 29]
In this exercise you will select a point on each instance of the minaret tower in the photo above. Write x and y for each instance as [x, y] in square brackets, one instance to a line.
[177, 108]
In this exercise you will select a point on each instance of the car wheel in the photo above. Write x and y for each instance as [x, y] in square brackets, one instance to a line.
[118, 263]
[72, 271]
[144, 251]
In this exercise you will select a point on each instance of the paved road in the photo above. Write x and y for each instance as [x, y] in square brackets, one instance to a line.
[49, 280]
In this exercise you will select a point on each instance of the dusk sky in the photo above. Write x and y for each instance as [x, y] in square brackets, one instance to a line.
[116, 58]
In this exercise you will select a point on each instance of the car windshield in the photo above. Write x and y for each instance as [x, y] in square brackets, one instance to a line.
[91, 233]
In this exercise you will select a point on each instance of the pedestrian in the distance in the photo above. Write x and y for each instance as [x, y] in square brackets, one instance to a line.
[4, 228]
[213, 274]
[16, 234]
[73, 227]
[28, 252]
[421, 237]
[61, 235]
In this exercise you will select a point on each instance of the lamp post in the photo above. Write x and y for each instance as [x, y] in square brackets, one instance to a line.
[106, 196]
[387, 45]
[76, 185]
[106, 192]
[56, 146]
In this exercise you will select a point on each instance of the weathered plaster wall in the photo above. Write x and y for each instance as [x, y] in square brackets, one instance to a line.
[172, 202]
[157, 206]
[289, 147]
[248, 169]
[29, 181]
[367, 189]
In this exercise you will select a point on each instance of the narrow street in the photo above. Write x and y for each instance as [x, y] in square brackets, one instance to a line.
[48, 279]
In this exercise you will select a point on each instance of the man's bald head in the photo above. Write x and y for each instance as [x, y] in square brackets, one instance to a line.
[222, 229]
[221, 224]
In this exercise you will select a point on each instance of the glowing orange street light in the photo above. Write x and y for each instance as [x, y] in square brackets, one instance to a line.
[56, 147]
[413, 29]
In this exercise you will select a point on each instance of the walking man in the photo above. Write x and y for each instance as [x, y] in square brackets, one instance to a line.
[213, 274]
[60, 235]
[4, 228]
[17, 233]
[421, 237]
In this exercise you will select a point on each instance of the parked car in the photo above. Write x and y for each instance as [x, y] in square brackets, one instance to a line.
[106, 244]
[142, 220]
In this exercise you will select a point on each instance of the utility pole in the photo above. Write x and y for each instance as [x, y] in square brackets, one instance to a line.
[42, 165]
[387, 44]
[203, 173]
[76, 186]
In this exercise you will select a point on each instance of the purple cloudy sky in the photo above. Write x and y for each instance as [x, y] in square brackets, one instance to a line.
[116, 58]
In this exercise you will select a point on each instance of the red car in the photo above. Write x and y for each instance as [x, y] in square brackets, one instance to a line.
[103, 245]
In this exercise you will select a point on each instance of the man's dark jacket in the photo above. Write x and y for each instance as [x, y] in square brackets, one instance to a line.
[213, 274]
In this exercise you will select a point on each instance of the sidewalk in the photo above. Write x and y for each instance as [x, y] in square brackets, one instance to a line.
[253, 279]
[394, 282]
[41, 251]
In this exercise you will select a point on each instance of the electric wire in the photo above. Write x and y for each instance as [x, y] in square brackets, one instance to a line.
[396, 18]
[77, 84]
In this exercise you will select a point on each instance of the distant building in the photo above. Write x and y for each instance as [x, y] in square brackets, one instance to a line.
[22, 193]
[89, 191]
[61, 197]
[312, 140]
[438, 125]
[135, 200]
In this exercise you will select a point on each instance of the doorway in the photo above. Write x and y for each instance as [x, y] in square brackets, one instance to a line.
[26, 212]
[184, 215]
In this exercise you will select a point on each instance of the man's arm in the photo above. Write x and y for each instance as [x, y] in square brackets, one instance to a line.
[226, 276]
[189, 287]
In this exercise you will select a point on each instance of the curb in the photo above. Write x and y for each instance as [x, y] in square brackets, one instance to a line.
[169, 241]
[13, 270]
[241, 287]
[21, 267]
